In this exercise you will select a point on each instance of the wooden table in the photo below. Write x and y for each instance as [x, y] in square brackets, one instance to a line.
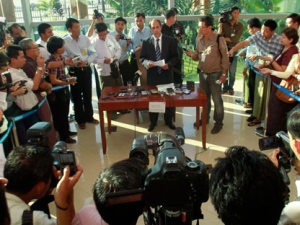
[108, 102]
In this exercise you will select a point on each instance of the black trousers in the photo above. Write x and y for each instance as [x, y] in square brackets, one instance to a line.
[168, 116]
[97, 82]
[251, 86]
[126, 72]
[59, 102]
[82, 94]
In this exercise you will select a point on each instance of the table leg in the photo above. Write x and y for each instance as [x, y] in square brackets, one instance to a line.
[103, 135]
[108, 121]
[204, 126]
[197, 117]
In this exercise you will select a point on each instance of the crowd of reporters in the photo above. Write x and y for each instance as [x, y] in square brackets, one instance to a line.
[243, 183]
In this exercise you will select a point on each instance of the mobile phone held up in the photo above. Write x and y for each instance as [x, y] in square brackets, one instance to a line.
[76, 59]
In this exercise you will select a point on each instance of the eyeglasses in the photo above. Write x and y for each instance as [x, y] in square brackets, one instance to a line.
[36, 47]
[201, 28]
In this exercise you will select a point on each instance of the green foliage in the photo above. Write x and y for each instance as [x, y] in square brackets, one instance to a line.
[50, 7]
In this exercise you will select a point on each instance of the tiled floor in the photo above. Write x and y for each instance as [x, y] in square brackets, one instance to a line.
[89, 154]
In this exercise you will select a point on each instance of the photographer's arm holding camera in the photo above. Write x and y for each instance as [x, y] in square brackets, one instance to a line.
[95, 19]
[64, 196]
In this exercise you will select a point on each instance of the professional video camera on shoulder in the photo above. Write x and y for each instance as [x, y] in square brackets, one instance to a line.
[281, 141]
[225, 15]
[175, 186]
[62, 156]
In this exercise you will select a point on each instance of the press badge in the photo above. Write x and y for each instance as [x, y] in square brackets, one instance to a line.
[203, 56]
[83, 52]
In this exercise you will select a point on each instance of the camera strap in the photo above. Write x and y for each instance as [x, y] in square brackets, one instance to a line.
[27, 217]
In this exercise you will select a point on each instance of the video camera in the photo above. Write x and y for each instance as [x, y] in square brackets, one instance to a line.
[6, 82]
[176, 30]
[122, 37]
[62, 156]
[281, 141]
[224, 15]
[97, 14]
[175, 186]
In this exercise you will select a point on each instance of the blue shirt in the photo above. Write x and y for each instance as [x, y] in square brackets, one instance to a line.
[138, 37]
[82, 48]
[251, 50]
[123, 44]
[264, 47]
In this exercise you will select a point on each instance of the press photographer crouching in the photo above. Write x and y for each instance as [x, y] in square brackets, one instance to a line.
[31, 175]
[170, 193]
[291, 212]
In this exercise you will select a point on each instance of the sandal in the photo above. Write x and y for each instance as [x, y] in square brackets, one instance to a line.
[247, 105]
[254, 122]
[251, 118]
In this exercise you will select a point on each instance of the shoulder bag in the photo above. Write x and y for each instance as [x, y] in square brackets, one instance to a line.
[288, 84]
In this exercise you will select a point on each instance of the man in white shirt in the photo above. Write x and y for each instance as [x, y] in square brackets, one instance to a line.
[45, 32]
[108, 50]
[124, 42]
[78, 45]
[21, 105]
[137, 34]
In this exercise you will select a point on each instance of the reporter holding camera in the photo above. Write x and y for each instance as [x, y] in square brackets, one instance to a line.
[232, 31]
[28, 100]
[29, 171]
[124, 42]
[59, 100]
[108, 54]
[291, 212]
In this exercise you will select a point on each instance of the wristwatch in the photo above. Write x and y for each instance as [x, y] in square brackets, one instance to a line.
[40, 68]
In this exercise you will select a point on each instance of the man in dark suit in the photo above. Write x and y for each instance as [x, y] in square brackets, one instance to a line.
[155, 48]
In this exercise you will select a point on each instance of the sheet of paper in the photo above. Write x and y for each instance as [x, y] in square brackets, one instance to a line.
[159, 63]
[157, 107]
[163, 87]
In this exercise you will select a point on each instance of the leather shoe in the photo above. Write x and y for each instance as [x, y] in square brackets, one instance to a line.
[200, 123]
[69, 140]
[82, 126]
[151, 127]
[72, 133]
[215, 130]
[94, 121]
[171, 126]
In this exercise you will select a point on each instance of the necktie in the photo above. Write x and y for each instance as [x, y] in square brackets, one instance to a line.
[158, 55]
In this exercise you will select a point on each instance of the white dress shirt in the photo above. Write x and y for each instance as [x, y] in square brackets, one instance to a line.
[106, 49]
